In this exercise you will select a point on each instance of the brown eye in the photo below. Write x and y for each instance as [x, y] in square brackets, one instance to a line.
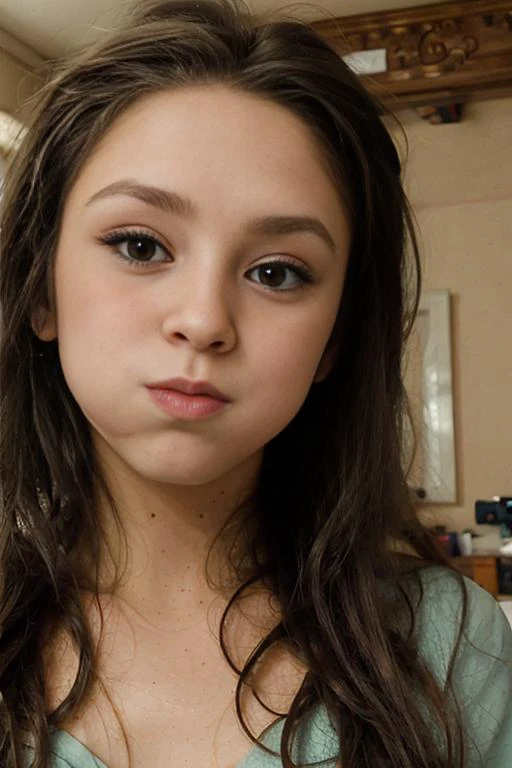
[272, 275]
[137, 248]
[141, 248]
[281, 276]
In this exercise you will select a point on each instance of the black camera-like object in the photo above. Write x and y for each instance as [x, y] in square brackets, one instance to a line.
[495, 512]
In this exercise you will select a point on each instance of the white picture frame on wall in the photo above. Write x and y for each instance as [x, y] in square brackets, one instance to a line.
[435, 474]
[11, 135]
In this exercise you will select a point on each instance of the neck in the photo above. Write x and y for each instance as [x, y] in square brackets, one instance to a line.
[165, 537]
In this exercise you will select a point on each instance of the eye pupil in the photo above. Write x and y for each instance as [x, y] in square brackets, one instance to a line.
[142, 249]
[273, 275]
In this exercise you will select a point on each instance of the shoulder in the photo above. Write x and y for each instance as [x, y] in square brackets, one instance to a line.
[481, 676]
[440, 615]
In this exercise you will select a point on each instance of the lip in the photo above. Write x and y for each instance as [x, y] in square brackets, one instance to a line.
[187, 400]
[190, 388]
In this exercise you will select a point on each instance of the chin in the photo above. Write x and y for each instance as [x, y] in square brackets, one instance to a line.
[185, 462]
[177, 471]
[193, 477]
[170, 472]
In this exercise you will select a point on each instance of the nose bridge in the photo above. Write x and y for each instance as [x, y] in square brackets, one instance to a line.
[203, 309]
[208, 284]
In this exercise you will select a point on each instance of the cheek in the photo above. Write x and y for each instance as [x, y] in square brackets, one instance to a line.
[94, 314]
[288, 360]
[94, 323]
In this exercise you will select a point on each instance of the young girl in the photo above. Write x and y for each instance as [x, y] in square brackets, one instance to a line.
[209, 553]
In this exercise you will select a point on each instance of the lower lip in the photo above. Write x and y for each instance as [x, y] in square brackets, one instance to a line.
[182, 406]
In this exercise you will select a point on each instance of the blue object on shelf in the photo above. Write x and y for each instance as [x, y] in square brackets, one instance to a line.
[496, 512]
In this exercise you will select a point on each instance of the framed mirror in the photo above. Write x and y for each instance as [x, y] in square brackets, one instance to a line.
[428, 379]
[11, 135]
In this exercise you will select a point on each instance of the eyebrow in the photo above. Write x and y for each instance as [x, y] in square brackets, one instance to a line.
[172, 202]
[159, 198]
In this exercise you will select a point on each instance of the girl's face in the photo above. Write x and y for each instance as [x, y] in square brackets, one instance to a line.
[203, 240]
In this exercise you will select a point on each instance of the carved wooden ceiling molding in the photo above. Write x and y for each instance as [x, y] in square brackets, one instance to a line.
[435, 55]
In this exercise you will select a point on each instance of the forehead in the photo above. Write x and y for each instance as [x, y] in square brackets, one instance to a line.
[214, 139]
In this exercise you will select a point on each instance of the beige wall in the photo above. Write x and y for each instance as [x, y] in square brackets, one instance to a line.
[459, 179]
[17, 84]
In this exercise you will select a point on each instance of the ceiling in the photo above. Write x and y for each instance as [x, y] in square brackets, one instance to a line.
[53, 27]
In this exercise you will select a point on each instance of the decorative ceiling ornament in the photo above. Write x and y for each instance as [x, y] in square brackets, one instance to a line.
[11, 134]
[430, 55]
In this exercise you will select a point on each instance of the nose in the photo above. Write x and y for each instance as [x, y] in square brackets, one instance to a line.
[201, 313]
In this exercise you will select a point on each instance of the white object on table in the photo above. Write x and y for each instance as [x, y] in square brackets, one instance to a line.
[465, 543]
[506, 606]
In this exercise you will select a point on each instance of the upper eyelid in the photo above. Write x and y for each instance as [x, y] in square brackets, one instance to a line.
[128, 233]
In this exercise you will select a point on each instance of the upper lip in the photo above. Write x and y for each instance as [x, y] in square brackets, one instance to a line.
[190, 388]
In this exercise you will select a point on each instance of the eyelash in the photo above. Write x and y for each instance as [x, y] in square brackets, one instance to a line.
[114, 239]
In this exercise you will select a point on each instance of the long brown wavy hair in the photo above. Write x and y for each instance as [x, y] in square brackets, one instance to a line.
[322, 542]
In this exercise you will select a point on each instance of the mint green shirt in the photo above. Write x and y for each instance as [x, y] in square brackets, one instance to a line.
[483, 685]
